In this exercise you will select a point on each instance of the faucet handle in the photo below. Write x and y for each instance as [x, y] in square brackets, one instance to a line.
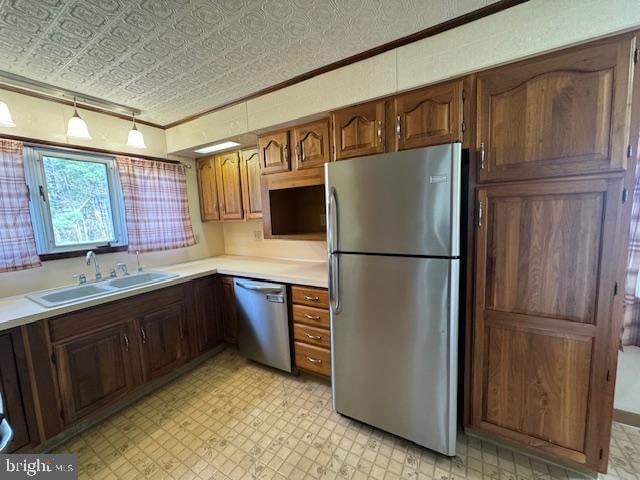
[82, 278]
[123, 268]
[112, 272]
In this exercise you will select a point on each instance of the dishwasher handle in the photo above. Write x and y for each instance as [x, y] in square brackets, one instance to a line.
[257, 288]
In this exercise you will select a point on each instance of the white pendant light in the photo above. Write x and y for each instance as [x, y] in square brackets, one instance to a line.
[77, 128]
[135, 138]
[5, 116]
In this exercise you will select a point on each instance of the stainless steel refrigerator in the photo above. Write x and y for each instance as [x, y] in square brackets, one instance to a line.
[393, 233]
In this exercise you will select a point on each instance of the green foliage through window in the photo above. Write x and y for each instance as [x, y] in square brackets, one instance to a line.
[79, 202]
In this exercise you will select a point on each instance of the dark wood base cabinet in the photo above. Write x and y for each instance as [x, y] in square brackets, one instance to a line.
[82, 364]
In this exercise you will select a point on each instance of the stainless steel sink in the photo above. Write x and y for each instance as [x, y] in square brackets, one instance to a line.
[63, 295]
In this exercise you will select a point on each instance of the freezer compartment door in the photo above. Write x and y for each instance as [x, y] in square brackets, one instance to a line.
[263, 322]
[405, 203]
[394, 330]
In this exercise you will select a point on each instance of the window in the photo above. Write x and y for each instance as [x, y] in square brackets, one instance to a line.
[76, 200]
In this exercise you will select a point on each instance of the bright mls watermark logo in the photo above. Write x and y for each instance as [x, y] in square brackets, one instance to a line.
[40, 466]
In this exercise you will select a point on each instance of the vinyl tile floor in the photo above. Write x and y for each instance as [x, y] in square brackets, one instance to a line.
[233, 419]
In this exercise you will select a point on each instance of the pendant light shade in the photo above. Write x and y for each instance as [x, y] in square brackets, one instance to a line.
[5, 116]
[135, 138]
[77, 128]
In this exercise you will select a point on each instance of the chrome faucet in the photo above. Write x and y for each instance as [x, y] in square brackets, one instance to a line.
[91, 255]
[138, 260]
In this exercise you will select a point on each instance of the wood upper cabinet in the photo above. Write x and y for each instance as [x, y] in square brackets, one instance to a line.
[359, 130]
[208, 189]
[162, 335]
[311, 144]
[560, 114]
[229, 312]
[15, 391]
[429, 116]
[545, 262]
[229, 186]
[250, 180]
[273, 151]
[95, 370]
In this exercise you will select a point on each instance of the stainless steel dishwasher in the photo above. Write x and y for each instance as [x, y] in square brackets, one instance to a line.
[263, 322]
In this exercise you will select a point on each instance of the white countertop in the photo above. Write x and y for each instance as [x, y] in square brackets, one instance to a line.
[18, 310]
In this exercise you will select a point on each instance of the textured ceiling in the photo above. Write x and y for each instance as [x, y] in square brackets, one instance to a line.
[175, 58]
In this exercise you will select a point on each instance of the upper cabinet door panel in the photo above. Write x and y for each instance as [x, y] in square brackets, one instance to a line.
[311, 143]
[229, 188]
[208, 190]
[563, 114]
[273, 150]
[429, 116]
[251, 190]
[359, 130]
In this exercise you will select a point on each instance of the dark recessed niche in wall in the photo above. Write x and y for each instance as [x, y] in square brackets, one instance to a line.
[298, 211]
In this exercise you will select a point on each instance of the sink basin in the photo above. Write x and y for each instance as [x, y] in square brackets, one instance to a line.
[61, 296]
[141, 278]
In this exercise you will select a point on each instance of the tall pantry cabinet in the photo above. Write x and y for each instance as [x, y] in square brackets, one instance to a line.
[551, 153]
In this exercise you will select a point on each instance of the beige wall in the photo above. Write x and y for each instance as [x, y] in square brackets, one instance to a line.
[239, 239]
[44, 120]
[528, 29]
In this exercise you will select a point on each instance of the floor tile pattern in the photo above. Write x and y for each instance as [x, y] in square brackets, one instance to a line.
[232, 419]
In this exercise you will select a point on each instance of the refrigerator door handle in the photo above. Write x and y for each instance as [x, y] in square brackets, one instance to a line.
[334, 283]
[333, 221]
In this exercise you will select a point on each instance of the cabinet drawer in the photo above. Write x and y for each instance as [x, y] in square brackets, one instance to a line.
[312, 335]
[314, 297]
[316, 317]
[314, 359]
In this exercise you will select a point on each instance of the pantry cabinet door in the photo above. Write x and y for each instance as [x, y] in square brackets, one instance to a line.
[429, 116]
[229, 186]
[250, 179]
[560, 114]
[545, 262]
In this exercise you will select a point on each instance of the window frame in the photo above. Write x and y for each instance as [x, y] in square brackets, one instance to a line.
[39, 207]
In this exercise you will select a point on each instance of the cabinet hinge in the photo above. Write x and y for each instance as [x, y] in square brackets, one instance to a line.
[464, 92]
[625, 194]
[629, 151]
[636, 55]
[53, 358]
[463, 127]
[601, 454]
[615, 289]
[28, 192]
[333, 151]
[608, 375]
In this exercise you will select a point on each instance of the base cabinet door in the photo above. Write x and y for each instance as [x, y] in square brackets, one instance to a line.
[229, 312]
[162, 340]
[204, 331]
[94, 370]
[561, 114]
[543, 289]
[15, 398]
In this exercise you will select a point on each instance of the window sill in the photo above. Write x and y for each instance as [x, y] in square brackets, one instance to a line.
[81, 253]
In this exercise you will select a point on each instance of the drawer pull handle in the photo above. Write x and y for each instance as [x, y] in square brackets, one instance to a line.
[311, 317]
[315, 361]
[313, 337]
[312, 298]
